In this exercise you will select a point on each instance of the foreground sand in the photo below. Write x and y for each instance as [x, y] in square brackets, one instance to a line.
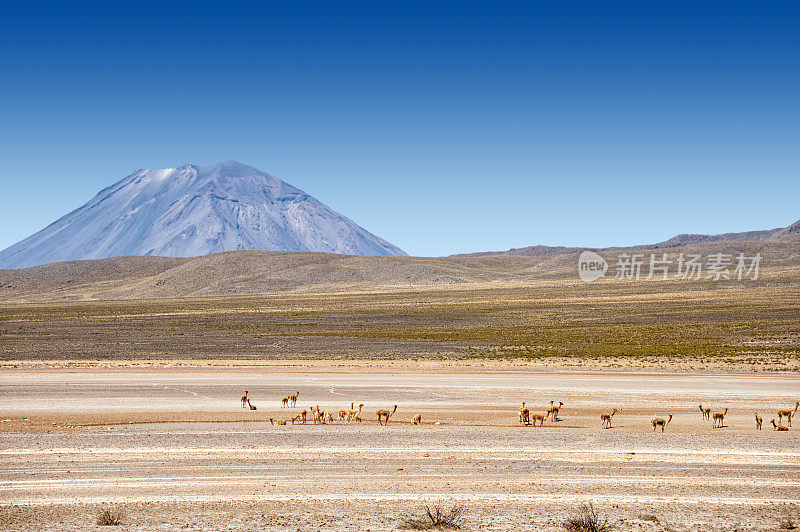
[172, 449]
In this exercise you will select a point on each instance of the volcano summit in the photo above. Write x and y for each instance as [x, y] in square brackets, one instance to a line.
[195, 210]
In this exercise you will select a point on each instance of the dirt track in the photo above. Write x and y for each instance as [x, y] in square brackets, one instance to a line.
[210, 464]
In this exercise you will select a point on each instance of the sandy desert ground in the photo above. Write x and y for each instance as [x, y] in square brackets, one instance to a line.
[172, 449]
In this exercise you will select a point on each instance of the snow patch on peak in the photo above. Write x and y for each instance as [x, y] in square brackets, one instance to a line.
[194, 210]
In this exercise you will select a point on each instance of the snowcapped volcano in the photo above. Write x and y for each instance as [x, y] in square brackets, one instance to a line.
[195, 210]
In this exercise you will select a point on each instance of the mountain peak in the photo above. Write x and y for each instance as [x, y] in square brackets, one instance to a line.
[228, 165]
[195, 210]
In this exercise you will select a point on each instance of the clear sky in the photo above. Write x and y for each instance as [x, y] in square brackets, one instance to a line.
[457, 128]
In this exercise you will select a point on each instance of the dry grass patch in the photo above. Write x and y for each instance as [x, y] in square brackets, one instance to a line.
[436, 518]
[587, 520]
[109, 517]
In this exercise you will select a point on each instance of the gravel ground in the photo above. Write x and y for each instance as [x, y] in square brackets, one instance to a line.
[90, 441]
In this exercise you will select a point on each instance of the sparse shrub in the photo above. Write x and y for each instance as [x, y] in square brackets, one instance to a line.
[109, 517]
[436, 517]
[587, 520]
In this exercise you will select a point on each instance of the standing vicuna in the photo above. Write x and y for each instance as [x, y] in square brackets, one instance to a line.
[605, 419]
[355, 415]
[719, 419]
[524, 413]
[536, 416]
[788, 414]
[293, 398]
[344, 413]
[554, 410]
[385, 415]
[706, 411]
[659, 422]
[758, 421]
[245, 400]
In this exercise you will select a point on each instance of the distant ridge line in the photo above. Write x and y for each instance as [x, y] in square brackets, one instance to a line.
[790, 232]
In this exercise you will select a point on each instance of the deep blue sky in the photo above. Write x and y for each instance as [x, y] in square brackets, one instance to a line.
[442, 129]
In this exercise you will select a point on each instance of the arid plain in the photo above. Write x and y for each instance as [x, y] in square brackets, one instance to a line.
[121, 390]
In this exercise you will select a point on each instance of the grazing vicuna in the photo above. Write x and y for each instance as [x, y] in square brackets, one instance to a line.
[417, 419]
[659, 422]
[301, 416]
[252, 407]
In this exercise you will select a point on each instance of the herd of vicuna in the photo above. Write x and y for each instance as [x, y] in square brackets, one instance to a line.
[318, 415]
[717, 418]
[526, 417]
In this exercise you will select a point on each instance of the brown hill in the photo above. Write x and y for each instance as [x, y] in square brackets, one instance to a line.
[258, 272]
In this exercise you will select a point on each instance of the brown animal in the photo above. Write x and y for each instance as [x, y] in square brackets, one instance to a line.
[252, 407]
[719, 419]
[417, 419]
[536, 416]
[385, 415]
[284, 402]
[293, 398]
[779, 427]
[605, 419]
[789, 414]
[758, 421]
[277, 421]
[343, 412]
[554, 410]
[524, 412]
[244, 399]
[706, 412]
[659, 422]
[301, 416]
[355, 415]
